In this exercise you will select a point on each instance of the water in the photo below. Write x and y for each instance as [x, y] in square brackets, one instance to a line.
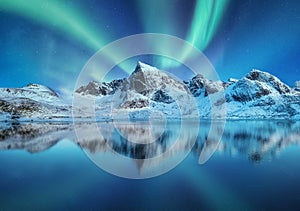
[255, 166]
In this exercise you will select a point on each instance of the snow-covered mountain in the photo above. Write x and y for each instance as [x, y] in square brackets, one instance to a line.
[257, 95]
[152, 93]
[262, 95]
[146, 93]
[33, 101]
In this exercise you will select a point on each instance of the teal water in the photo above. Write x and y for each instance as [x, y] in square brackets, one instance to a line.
[255, 167]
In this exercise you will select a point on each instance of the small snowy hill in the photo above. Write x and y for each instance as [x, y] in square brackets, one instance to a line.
[32, 91]
[31, 102]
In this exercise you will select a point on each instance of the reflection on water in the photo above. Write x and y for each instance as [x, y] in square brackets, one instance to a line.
[259, 139]
[59, 175]
[135, 140]
[256, 140]
[33, 137]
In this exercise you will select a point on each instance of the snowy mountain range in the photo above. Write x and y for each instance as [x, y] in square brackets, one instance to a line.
[152, 93]
[147, 90]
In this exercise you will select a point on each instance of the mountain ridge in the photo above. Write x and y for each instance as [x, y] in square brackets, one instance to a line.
[256, 95]
[147, 90]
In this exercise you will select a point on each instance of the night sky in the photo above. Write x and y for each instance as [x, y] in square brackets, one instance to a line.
[49, 42]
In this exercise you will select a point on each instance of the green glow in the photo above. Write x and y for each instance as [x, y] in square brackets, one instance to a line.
[159, 16]
[207, 16]
[57, 15]
[65, 19]
[70, 21]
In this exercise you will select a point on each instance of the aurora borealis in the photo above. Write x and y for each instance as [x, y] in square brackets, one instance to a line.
[207, 15]
[49, 41]
[61, 17]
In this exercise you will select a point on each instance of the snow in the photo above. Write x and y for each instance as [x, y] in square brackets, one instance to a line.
[33, 102]
[233, 80]
[146, 67]
[297, 86]
[258, 95]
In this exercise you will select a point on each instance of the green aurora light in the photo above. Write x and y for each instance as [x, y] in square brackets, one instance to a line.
[70, 21]
[65, 19]
[58, 16]
[208, 14]
[207, 17]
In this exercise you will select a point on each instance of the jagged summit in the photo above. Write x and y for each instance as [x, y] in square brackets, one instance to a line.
[144, 67]
[199, 85]
[100, 89]
[148, 85]
[146, 78]
[92, 88]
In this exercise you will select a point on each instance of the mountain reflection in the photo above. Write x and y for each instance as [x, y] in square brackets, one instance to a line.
[33, 137]
[137, 140]
[259, 139]
[256, 140]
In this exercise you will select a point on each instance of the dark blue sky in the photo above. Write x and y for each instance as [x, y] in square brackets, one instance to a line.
[49, 42]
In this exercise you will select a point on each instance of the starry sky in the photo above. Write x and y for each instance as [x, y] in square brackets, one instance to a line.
[50, 41]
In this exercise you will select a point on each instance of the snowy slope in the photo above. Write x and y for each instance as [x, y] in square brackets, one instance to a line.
[33, 101]
[261, 95]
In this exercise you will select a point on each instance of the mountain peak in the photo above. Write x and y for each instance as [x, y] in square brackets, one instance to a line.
[143, 67]
[140, 63]
[267, 78]
[259, 75]
[100, 89]
[39, 88]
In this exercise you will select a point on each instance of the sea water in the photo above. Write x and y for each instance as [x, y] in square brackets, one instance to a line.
[244, 165]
